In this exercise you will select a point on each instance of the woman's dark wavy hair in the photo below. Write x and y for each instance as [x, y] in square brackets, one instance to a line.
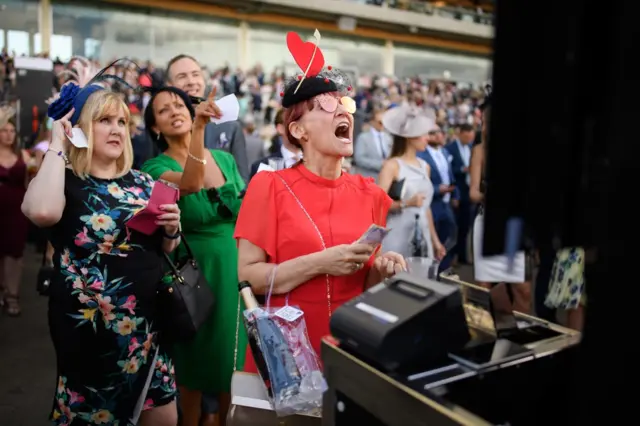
[150, 117]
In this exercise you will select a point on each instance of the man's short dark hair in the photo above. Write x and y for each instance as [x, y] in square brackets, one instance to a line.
[466, 127]
[176, 59]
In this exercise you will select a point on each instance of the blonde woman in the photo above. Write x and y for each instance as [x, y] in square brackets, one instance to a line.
[102, 315]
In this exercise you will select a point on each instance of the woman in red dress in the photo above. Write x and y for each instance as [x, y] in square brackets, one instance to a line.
[13, 185]
[306, 219]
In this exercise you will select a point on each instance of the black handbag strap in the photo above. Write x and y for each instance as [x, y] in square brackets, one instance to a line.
[171, 263]
[186, 245]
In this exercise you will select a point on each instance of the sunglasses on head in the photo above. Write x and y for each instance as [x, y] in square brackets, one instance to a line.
[223, 210]
[329, 103]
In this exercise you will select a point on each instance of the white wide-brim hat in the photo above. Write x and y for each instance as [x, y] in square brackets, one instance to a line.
[408, 121]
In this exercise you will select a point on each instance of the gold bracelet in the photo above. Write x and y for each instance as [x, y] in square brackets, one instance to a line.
[60, 154]
[199, 160]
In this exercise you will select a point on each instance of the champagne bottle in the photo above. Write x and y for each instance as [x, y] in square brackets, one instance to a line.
[418, 239]
[270, 350]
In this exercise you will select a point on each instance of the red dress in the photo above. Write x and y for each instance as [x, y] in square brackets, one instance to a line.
[342, 209]
[16, 225]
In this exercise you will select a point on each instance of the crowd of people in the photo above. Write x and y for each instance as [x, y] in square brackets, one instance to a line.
[253, 206]
[477, 10]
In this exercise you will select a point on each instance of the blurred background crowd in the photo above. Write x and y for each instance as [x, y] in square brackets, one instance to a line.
[258, 92]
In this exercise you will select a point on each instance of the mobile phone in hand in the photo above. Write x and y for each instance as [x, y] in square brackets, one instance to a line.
[374, 235]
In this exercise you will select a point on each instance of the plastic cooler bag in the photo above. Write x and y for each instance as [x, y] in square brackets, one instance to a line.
[285, 358]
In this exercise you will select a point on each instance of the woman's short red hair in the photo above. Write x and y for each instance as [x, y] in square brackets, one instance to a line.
[295, 113]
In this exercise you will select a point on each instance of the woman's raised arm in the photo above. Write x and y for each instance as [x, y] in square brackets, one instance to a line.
[44, 201]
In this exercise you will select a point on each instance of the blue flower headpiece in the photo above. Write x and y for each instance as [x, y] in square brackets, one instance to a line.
[73, 96]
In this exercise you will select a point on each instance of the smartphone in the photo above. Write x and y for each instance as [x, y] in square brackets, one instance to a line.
[374, 235]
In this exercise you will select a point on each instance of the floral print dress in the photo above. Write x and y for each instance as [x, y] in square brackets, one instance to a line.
[567, 285]
[102, 309]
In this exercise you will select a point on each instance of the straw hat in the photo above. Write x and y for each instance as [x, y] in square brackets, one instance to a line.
[408, 121]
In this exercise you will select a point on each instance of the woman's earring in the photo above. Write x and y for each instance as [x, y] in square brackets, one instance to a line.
[158, 137]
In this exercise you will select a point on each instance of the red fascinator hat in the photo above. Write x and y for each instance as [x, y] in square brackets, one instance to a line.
[315, 78]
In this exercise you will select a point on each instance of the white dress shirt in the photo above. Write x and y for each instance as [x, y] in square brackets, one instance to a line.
[290, 158]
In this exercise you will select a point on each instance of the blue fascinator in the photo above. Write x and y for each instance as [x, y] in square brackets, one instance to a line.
[73, 95]
[64, 103]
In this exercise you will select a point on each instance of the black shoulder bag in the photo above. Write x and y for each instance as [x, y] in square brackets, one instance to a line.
[185, 300]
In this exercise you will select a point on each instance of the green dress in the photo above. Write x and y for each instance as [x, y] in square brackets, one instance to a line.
[206, 362]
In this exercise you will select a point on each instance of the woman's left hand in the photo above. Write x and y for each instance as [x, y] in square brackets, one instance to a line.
[389, 264]
[170, 219]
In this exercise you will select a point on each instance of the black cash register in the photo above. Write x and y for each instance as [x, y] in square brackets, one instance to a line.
[510, 369]
[407, 318]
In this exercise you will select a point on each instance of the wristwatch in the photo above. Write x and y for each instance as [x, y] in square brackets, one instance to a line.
[171, 237]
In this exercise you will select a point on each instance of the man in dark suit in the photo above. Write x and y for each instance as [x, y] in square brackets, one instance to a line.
[445, 193]
[282, 154]
[185, 73]
[460, 151]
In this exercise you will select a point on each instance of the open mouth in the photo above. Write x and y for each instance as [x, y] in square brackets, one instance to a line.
[192, 90]
[176, 124]
[343, 131]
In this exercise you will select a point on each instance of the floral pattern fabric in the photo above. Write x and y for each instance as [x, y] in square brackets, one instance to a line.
[102, 311]
[567, 285]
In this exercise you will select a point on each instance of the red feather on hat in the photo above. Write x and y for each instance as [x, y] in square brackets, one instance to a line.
[307, 55]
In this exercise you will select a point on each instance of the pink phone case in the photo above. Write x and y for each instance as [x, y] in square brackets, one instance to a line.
[145, 220]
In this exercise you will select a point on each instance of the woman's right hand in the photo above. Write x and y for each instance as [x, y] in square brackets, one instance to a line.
[416, 201]
[207, 110]
[344, 259]
[61, 131]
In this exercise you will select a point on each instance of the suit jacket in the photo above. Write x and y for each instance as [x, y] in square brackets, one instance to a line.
[367, 153]
[255, 148]
[438, 205]
[229, 137]
[265, 160]
[457, 164]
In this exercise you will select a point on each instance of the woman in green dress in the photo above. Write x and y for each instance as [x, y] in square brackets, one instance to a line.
[210, 188]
